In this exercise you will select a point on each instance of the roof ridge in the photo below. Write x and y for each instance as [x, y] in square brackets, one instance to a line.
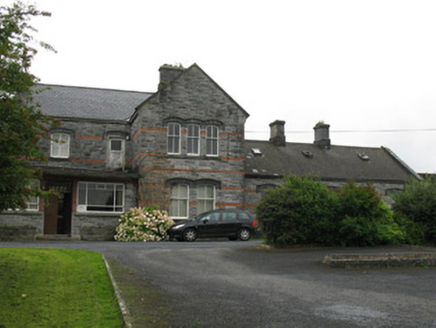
[90, 88]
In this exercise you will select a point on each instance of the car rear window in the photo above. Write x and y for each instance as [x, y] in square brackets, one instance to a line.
[244, 216]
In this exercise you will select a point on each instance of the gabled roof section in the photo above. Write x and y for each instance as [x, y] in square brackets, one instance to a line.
[185, 71]
[88, 103]
[338, 163]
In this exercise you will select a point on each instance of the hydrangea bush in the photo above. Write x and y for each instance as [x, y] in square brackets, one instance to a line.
[143, 224]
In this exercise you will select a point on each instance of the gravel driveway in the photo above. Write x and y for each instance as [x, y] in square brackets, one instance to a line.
[236, 284]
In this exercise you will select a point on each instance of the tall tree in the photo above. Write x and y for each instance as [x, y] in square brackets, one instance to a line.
[22, 123]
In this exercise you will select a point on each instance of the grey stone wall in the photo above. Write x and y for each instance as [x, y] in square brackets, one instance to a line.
[88, 143]
[192, 98]
[95, 226]
[20, 225]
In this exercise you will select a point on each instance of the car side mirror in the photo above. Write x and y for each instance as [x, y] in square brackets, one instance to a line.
[205, 221]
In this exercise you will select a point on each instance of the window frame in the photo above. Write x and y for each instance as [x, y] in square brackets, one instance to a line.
[213, 140]
[32, 200]
[180, 199]
[57, 145]
[204, 199]
[171, 135]
[83, 207]
[191, 140]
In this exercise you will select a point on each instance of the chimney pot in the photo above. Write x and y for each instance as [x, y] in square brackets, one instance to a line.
[168, 73]
[322, 135]
[277, 133]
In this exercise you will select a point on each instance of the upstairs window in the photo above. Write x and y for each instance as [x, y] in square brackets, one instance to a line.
[212, 140]
[179, 201]
[60, 145]
[205, 198]
[116, 153]
[173, 138]
[193, 139]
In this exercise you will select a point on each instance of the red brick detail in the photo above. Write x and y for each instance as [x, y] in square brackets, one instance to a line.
[250, 191]
[233, 158]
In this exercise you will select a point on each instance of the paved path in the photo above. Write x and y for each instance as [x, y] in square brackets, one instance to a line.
[234, 284]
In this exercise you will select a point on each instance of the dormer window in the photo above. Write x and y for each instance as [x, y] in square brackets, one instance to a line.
[60, 145]
[363, 156]
[256, 152]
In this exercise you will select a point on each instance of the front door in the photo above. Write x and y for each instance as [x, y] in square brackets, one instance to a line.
[57, 214]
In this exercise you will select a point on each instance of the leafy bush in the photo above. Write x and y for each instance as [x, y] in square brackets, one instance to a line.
[304, 211]
[143, 224]
[417, 202]
[300, 211]
[365, 218]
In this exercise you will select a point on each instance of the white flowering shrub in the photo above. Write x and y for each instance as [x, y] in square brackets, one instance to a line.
[143, 224]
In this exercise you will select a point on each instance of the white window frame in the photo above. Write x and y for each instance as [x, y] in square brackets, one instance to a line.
[32, 202]
[212, 139]
[60, 145]
[193, 140]
[83, 200]
[180, 200]
[174, 138]
[202, 199]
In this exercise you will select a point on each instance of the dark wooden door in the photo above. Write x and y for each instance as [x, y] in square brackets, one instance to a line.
[51, 216]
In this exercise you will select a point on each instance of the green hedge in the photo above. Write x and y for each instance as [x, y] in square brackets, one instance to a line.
[303, 211]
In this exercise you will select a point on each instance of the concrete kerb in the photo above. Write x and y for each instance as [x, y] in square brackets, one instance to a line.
[387, 260]
[124, 311]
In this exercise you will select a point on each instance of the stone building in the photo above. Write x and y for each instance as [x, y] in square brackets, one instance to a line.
[182, 148]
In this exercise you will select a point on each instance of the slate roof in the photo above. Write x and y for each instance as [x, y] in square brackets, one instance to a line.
[89, 103]
[338, 163]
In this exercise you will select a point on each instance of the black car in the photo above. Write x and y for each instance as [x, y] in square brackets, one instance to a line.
[230, 223]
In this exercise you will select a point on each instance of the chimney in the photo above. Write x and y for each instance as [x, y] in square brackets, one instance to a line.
[322, 135]
[168, 73]
[277, 134]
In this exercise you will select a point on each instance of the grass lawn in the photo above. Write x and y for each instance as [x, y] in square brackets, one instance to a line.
[55, 288]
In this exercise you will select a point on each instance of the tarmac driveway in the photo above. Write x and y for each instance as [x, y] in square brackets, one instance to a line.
[235, 284]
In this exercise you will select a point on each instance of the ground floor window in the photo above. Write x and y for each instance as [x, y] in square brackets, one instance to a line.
[179, 201]
[100, 197]
[206, 198]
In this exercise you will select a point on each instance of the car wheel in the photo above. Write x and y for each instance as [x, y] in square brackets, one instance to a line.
[244, 234]
[190, 235]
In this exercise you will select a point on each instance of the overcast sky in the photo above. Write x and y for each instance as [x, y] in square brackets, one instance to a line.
[367, 68]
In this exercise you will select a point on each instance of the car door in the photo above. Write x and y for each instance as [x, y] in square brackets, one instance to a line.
[208, 225]
[228, 226]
